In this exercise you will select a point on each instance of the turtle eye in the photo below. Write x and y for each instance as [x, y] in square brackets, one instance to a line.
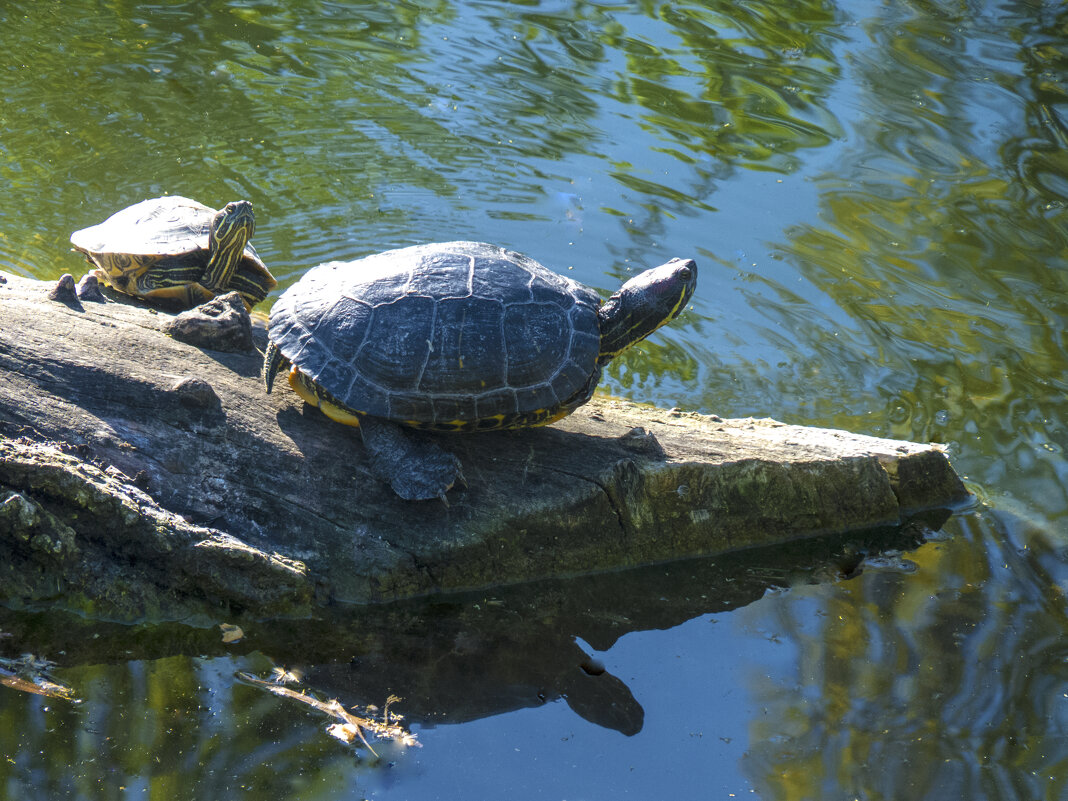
[685, 274]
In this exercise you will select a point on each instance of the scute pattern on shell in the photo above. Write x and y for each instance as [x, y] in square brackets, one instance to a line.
[165, 226]
[455, 331]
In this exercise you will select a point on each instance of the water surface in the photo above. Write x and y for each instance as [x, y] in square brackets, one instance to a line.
[875, 192]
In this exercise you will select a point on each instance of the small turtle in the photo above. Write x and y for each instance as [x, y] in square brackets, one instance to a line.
[177, 252]
[457, 336]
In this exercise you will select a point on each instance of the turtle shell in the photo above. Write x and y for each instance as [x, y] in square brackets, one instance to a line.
[171, 232]
[456, 335]
[163, 226]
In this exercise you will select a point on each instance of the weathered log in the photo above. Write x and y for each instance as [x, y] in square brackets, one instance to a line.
[140, 474]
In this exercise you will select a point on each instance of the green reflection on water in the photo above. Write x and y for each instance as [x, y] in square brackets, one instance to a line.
[950, 680]
[944, 257]
[875, 192]
[352, 128]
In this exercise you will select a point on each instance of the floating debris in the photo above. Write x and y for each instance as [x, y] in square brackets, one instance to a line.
[281, 675]
[351, 726]
[890, 563]
[231, 633]
[28, 674]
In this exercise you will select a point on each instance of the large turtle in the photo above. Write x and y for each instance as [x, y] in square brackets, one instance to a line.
[177, 252]
[457, 336]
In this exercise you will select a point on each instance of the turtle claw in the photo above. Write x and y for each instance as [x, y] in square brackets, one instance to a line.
[64, 290]
[416, 470]
[89, 289]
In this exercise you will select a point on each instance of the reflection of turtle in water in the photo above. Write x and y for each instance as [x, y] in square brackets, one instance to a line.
[459, 336]
[178, 252]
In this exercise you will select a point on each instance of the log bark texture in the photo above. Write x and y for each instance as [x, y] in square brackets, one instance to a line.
[144, 477]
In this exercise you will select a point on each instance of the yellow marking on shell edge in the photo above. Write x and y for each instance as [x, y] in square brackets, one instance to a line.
[539, 417]
[300, 389]
[560, 415]
[331, 410]
[339, 415]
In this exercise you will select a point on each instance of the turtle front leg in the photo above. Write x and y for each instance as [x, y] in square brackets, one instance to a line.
[417, 471]
[169, 288]
[186, 296]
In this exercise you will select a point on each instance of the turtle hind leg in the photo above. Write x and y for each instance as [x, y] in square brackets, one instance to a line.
[417, 471]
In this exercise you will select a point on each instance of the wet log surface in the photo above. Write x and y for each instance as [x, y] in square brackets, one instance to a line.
[142, 477]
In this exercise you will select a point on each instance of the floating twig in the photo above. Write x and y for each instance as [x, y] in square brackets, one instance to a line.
[27, 674]
[350, 726]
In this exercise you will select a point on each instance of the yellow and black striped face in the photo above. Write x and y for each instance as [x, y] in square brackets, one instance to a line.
[645, 303]
[235, 222]
[231, 229]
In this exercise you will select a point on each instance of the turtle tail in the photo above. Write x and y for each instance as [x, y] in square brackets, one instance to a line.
[273, 361]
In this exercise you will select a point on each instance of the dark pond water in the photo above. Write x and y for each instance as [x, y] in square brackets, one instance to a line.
[875, 192]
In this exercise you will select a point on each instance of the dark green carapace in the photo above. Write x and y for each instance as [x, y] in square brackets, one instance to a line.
[457, 336]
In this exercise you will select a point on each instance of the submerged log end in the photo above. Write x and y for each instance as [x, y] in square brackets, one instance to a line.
[681, 485]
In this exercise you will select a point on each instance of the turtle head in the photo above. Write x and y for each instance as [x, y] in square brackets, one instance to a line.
[233, 223]
[231, 229]
[643, 304]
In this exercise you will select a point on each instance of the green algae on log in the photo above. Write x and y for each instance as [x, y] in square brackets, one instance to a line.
[224, 497]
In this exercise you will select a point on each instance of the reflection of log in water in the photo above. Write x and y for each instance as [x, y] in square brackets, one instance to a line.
[464, 657]
[114, 436]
